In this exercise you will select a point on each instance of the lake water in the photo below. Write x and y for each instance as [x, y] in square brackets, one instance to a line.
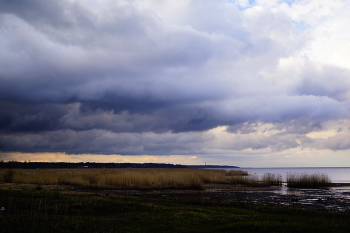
[336, 174]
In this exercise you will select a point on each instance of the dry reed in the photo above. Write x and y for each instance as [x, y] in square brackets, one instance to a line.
[153, 178]
[271, 179]
[307, 180]
[139, 178]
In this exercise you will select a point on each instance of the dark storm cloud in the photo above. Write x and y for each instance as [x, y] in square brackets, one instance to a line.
[327, 80]
[34, 10]
[117, 65]
[117, 77]
[18, 117]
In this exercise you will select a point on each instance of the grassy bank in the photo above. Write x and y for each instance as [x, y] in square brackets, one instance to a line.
[28, 210]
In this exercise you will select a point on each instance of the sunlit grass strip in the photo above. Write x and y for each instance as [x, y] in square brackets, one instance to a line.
[154, 178]
[307, 180]
[138, 178]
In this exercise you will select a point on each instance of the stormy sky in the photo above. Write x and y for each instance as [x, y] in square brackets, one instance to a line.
[251, 83]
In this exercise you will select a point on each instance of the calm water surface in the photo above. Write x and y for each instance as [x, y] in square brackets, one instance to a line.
[336, 174]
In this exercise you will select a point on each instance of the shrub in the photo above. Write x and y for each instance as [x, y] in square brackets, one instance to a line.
[7, 176]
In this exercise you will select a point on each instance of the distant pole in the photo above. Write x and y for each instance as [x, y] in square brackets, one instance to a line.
[205, 163]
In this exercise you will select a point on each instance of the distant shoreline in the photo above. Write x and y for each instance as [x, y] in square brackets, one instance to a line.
[41, 165]
[210, 166]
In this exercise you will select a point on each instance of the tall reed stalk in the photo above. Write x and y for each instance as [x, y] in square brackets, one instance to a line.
[307, 180]
[272, 179]
[137, 178]
[154, 178]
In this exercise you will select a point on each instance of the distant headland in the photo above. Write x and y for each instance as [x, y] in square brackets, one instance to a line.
[34, 165]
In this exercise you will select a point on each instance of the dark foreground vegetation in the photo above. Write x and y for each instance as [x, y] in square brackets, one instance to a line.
[36, 210]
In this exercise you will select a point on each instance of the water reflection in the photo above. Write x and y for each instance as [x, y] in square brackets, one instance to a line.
[284, 190]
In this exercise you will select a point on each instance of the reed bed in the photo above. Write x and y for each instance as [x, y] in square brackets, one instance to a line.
[307, 180]
[236, 173]
[122, 178]
[271, 179]
[154, 178]
[129, 178]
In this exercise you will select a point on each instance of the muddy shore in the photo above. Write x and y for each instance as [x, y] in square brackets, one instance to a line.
[330, 199]
[335, 198]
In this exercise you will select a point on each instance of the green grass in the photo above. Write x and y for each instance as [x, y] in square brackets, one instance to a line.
[30, 210]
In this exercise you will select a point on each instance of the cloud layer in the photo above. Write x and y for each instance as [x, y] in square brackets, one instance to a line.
[164, 77]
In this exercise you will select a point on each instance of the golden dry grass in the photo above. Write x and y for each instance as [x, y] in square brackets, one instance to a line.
[307, 180]
[152, 178]
[137, 178]
[272, 179]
